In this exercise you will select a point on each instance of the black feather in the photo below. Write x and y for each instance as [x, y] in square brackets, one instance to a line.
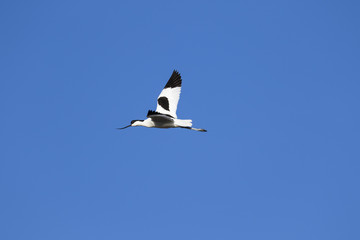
[152, 113]
[174, 81]
[164, 103]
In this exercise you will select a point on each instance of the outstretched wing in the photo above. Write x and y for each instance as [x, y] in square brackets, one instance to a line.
[159, 117]
[169, 97]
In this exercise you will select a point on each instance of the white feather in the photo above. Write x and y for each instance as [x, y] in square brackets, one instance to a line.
[173, 95]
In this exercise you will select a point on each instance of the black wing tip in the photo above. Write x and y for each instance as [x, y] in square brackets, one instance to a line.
[174, 81]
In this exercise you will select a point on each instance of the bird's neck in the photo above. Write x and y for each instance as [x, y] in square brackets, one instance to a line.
[147, 123]
[144, 123]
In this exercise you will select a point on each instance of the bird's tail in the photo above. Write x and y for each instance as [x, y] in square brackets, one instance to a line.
[187, 123]
[183, 123]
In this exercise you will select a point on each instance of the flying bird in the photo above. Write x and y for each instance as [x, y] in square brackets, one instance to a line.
[165, 114]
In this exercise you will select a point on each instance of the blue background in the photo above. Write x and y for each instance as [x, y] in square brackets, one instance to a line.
[276, 83]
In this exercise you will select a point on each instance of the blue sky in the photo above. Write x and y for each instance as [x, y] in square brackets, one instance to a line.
[276, 83]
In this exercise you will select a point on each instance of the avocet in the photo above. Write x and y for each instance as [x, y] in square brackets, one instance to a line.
[165, 114]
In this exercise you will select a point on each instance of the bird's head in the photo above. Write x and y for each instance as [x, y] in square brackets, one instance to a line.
[133, 123]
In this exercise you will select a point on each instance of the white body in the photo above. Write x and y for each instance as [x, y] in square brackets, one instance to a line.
[164, 122]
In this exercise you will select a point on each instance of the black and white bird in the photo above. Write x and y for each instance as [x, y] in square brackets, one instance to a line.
[165, 114]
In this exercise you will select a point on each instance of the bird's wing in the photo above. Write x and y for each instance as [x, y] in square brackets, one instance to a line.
[169, 97]
[159, 117]
[152, 113]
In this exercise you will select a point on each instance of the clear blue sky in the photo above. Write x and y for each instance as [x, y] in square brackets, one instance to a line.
[276, 83]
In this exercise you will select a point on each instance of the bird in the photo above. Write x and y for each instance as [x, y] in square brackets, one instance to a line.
[165, 114]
